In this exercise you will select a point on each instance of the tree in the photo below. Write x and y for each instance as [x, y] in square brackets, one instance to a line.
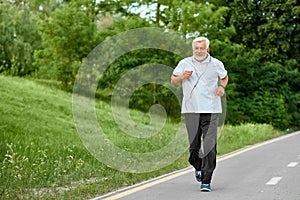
[69, 34]
[269, 31]
[19, 38]
[272, 25]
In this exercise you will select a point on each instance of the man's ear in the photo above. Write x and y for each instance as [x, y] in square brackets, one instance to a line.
[208, 50]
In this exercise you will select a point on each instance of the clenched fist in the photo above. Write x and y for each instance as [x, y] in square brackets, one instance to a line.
[187, 74]
[220, 91]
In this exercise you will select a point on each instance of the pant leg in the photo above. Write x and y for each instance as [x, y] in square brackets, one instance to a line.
[194, 135]
[209, 125]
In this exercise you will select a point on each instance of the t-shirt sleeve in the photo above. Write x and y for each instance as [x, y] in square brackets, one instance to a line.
[221, 70]
[179, 69]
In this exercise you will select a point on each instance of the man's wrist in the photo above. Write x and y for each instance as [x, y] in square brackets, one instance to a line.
[221, 85]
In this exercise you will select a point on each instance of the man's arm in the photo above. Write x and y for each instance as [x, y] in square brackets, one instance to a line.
[221, 89]
[176, 79]
[224, 81]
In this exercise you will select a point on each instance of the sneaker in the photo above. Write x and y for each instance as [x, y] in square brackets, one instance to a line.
[205, 188]
[198, 175]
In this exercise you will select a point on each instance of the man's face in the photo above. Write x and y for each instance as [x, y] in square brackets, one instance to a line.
[200, 51]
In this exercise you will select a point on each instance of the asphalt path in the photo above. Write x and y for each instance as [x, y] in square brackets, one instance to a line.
[265, 171]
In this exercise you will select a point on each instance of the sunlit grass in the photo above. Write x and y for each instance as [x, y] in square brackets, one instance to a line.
[42, 156]
[236, 137]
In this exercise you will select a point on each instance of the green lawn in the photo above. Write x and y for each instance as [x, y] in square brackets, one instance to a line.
[42, 156]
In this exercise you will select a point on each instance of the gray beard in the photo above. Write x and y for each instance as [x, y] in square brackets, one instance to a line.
[200, 58]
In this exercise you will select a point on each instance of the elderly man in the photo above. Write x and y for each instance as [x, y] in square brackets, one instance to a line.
[203, 79]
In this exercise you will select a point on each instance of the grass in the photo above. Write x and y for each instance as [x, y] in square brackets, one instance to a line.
[43, 157]
[236, 137]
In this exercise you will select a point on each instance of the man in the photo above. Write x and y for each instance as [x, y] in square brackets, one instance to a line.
[203, 79]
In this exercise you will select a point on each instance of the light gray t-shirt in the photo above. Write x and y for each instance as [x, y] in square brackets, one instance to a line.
[199, 90]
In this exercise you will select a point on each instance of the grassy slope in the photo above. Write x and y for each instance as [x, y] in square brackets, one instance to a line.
[40, 148]
[41, 152]
[39, 144]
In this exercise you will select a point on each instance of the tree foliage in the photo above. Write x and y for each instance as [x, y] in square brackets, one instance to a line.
[272, 25]
[68, 36]
[19, 39]
[269, 32]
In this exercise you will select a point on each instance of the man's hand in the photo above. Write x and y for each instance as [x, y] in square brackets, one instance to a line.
[186, 75]
[177, 79]
[220, 91]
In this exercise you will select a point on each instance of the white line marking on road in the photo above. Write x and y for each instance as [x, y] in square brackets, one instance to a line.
[292, 164]
[274, 181]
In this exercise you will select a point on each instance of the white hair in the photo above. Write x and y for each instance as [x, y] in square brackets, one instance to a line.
[200, 39]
